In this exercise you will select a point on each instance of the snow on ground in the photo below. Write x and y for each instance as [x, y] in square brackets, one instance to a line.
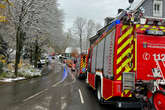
[25, 72]
[12, 79]
[29, 72]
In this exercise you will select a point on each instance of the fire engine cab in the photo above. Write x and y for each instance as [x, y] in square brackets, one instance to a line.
[126, 65]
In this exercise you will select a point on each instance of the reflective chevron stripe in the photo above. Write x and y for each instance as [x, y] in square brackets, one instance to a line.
[146, 27]
[124, 45]
[125, 54]
[124, 64]
[126, 93]
[124, 36]
[125, 51]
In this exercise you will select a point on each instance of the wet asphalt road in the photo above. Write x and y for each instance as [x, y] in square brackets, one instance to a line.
[55, 91]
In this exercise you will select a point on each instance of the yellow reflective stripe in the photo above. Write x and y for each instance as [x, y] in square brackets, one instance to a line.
[122, 94]
[146, 26]
[135, 54]
[119, 79]
[154, 27]
[143, 29]
[125, 35]
[124, 27]
[161, 27]
[124, 54]
[108, 98]
[126, 91]
[128, 69]
[138, 25]
[124, 64]
[125, 44]
[130, 95]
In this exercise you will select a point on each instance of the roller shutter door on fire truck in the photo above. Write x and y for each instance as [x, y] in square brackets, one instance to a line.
[108, 54]
[94, 59]
[100, 54]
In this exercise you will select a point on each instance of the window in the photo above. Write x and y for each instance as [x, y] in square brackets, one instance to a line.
[158, 8]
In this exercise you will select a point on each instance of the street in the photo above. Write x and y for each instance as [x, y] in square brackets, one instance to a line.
[49, 93]
[58, 55]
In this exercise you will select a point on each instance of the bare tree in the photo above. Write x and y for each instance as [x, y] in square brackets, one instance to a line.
[90, 30]
[97, 27]
[79, 25]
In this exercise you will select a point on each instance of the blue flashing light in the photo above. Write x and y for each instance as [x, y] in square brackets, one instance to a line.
[110, 27]
[117, 21]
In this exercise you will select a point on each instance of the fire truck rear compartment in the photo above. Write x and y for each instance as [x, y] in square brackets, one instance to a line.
[150, 57]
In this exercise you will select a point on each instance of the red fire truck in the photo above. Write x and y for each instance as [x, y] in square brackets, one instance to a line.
[127, 63]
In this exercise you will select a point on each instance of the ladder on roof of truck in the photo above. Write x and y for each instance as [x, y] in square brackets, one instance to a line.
[116, 20]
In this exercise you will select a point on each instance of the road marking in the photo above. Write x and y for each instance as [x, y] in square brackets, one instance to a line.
[45, 89]
[73, 78]
[63, 103]
[34, 95]
[81, 97]
[56, 84]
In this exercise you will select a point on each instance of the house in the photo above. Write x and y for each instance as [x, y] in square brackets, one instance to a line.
[152, 8]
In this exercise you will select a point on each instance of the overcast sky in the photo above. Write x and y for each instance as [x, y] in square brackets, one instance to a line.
[96, 10]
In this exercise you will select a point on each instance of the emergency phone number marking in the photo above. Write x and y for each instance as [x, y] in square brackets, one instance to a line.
[159, 57]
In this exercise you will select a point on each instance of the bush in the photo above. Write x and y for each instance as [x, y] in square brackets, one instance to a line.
[3, 75]
[1, 67]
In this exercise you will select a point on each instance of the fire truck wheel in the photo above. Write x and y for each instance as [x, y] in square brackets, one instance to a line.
[159, 100]
[99, 98]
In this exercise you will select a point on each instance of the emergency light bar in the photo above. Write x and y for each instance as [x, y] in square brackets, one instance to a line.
[155, 32]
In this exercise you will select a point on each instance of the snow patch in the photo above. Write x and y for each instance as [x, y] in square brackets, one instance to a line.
[12, 79]
[30, 72]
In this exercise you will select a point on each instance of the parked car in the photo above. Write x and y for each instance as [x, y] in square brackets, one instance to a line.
[42, 62]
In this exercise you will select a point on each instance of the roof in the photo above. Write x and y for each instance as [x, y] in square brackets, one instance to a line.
[70, 49]
[137, 4]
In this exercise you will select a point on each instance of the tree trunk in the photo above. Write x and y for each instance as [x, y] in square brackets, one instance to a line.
[31, 55]
[36, 54]
[17, 56]
[80, 44]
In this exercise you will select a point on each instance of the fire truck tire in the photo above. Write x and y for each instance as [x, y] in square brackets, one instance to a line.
[98, 94]
[159, 100]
